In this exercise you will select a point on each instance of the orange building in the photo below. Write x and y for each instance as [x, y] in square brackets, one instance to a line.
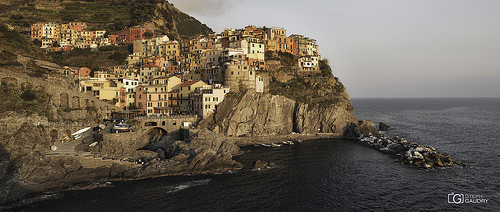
[82, 72]
[133, 33]
[77, 26]
[288, 45]
[37, 31]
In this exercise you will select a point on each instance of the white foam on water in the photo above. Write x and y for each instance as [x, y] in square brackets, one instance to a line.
[182, 186]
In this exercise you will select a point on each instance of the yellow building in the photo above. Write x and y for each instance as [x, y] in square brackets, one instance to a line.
[104, 90]
[186, 92]
[157, 94]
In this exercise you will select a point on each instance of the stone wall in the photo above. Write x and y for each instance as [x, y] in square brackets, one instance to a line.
[63, 91]
[168, 123]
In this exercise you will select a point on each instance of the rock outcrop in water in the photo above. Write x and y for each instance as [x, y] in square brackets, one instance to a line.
[383, 127]
[408, 152]
[261, 165]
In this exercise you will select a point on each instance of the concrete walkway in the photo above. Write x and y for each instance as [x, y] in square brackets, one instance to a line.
[68, 148]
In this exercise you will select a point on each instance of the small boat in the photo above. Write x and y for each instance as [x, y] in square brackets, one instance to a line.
[80, 133]
[266, 145]
[121, 127]
[288, 143]
[275, 145]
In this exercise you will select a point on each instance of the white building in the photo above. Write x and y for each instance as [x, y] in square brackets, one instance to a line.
[205, 103]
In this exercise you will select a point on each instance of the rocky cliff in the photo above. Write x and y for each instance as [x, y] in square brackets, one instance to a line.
[254, 114]
[303, 102]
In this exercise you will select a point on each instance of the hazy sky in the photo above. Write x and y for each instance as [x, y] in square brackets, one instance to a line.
[383, 48]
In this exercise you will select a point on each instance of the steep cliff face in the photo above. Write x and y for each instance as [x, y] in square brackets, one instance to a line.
[256, 114]
[253, 114]
[323, 119]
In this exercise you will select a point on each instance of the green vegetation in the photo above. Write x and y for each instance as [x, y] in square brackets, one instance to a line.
[105, 57]
[112, 16]
[317, 89]
[13, 43]
[312, 92]
[297, 89]
[24, 100]
[324, 66]
[288, 61]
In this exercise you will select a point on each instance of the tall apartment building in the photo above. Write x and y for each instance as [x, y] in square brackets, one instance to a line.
[206, 101]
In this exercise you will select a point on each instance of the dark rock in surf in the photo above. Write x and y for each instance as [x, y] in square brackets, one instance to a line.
[383, 127]
[260, 165]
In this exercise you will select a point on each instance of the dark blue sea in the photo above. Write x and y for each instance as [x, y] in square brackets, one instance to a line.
[334, 175]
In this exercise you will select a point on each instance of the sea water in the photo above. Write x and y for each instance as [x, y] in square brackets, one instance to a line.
[334, 175]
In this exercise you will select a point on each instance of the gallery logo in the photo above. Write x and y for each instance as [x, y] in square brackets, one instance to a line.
[455, 198]
[466, 198]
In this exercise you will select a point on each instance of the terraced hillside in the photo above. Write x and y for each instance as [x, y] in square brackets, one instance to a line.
[111, 15]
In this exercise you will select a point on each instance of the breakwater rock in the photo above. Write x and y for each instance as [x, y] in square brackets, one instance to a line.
[408, 152]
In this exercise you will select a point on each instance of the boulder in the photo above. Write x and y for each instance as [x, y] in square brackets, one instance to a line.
[367, 127]
[383, 127]
[260, 165]
[206, 151]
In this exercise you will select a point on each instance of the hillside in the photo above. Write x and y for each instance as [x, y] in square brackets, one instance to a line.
[112, 16]
[16, 17]
[13, 43]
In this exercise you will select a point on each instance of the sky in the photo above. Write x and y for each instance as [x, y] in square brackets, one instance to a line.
[383, 48]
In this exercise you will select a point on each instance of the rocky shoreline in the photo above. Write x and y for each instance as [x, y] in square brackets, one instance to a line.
[207, 152]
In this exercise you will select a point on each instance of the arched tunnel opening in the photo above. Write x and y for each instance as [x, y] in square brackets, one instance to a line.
[156, 134]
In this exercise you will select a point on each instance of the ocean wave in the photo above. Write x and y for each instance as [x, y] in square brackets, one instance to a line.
[182, 186]
[92, 186]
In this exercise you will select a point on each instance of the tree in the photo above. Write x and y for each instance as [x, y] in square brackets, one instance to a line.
[37, 42]
[149, 34]
[324, 66]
